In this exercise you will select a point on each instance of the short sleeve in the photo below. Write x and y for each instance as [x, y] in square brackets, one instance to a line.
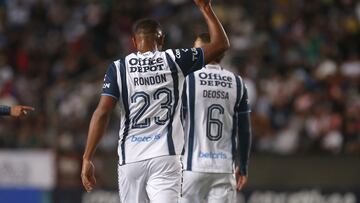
[244, 106]
[110, 86]
[189, 60]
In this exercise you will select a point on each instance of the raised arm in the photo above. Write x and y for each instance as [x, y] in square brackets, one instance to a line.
[219, 41]
[98, 124]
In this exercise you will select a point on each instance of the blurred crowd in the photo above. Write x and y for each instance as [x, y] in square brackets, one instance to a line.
[300, 60]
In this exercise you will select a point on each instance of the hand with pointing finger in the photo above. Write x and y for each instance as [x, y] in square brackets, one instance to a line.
[20, 111]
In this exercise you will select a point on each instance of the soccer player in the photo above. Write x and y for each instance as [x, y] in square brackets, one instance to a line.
[217, 133]
[147, 85]
[15, 111]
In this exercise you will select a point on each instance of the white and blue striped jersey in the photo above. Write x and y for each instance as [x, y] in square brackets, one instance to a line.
[213, 100]
[148, 87]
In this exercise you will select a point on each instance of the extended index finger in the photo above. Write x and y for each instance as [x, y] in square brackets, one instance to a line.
[30, 108]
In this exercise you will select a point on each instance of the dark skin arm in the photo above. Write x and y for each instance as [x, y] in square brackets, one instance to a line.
[219, 41]
[98, 124]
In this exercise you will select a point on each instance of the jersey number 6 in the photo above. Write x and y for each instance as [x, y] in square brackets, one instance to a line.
[213, 122]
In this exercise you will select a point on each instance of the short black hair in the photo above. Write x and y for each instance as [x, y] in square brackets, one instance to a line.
[147, 26]
[204, 37]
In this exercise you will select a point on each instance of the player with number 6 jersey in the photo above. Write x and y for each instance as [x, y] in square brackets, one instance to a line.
[217, 127]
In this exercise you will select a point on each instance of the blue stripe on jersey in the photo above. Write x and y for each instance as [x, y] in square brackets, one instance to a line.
[174, 75]
[234, 128]
[192, 120]
[124, 94]
[184, 102]
[184, 109]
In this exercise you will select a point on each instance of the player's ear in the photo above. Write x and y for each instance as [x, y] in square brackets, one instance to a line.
[160, 40]
[198, 43]
[134, 41]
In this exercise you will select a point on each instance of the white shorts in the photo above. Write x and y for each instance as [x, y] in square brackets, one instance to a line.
[156, 180]
[208, 187]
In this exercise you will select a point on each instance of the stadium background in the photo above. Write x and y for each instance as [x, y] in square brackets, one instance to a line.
[299, 58]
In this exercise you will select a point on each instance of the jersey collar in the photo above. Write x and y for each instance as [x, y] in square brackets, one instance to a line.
[214, 66]
[148, 53]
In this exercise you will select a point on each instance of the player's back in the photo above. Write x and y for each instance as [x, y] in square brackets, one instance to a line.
[149, 86]
[213, 97]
